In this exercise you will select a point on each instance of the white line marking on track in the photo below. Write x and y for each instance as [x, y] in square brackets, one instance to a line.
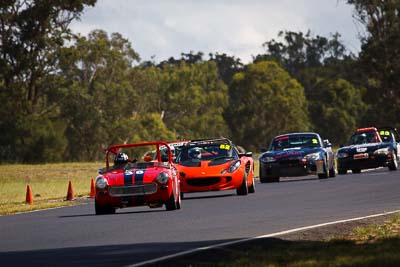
[257, 237]
[377, 174]
[32, 211]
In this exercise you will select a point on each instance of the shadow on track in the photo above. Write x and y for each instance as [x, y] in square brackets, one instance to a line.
[119, 212]
[207, 196]
[259, 252]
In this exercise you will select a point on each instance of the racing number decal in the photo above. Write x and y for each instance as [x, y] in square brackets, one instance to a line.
[315, 141]
[387, 133]
[227, 147]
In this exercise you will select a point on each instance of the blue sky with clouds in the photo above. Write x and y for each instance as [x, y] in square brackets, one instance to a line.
[165, 28]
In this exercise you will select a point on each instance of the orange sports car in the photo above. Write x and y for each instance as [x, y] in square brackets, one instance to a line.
[213, 165]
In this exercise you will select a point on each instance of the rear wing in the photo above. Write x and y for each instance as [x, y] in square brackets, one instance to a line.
[209, 141]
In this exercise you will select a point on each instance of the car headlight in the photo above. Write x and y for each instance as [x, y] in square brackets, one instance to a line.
[268, 159]
[101, 182]
[312, 156]
[382, 151]
[162, 178]
[234, 166]
[342, 155]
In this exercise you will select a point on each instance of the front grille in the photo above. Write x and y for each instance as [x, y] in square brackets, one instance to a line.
[291, 162]
[133, 190]
[203, 181]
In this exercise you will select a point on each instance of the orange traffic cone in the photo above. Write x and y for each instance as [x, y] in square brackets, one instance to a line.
[70, 193]
[92, 189]
[29, 197]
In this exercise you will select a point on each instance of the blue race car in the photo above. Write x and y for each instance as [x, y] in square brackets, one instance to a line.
[366, 150]
[391, 135]
[297, 154]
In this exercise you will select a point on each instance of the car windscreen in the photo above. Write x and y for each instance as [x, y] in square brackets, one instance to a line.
[363, 138]
[207, 152]
[386, 136]
[295, 141]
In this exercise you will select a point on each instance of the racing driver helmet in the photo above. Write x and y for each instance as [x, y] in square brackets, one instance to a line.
[121, 158]
[194, 153]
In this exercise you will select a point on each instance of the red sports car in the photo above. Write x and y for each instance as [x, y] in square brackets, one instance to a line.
[213, 165]
[137, 180]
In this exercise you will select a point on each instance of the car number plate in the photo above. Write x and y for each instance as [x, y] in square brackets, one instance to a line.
[361, 156]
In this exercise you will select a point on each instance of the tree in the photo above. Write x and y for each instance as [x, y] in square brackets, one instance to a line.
[227, 66]
[334, 108]
[193, 101]
[98, 94]
[379, 59]
[32, 33]
[265, 101]
[315, 61]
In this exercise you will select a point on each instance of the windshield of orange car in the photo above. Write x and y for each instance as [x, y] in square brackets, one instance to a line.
[207, 152]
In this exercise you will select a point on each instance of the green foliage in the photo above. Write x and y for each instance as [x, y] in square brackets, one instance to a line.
[32, 32]
[193, 100]
[265, 101]
[334, 107]
[98, 96]
[379, 59]
[299, 51]
[68, 97]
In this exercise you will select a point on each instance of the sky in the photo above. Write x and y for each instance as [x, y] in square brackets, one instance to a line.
[160, 29]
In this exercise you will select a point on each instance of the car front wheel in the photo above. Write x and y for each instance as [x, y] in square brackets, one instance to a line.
[171, 203]
[243, 190]
[323, 175]
[103, 209]
[252, 188]
[393, 166]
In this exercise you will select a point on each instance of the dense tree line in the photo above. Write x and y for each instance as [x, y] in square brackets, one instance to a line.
[67, 97]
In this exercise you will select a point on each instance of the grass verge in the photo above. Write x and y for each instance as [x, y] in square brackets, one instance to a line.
[49, 184]
[372, 245]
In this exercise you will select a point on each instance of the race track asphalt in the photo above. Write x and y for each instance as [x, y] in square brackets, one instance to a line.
[75, 236]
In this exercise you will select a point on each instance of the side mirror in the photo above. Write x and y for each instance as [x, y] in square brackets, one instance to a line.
[327, 143]
[263, 149]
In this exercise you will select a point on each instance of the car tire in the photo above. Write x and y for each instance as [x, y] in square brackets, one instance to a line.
[103, 209]
[393, 166]
[323, 175]
[342, 171]
[269, 179]
[252, 188]
[179, 202]
[263, 179]
[171, 203]
[243, 189]
[356, 170]
[332, 171]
